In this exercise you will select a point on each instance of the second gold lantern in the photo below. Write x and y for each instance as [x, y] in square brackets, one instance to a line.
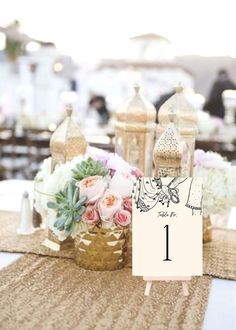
[135, 132]
[186, 122]
[168, 152]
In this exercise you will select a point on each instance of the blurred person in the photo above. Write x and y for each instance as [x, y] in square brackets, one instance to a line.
[214, 103]
[98, 102]
[161, 100]
[2, 118]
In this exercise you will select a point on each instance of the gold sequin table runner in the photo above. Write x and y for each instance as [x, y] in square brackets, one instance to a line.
[54, 293]
[10, 241]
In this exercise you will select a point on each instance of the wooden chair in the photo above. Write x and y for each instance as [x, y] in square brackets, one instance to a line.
[10, 163]
[37, 142]
[108, 147]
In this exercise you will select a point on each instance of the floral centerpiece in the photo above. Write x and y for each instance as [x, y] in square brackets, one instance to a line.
[219, 178]
[219, 183]
[90, 194]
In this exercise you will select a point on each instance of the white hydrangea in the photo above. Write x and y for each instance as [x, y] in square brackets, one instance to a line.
[47, 184]
[219, 187]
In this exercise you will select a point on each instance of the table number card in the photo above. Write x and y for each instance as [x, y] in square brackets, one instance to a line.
[167, 227]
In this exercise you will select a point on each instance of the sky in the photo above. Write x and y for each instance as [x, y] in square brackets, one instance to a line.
[99, 28]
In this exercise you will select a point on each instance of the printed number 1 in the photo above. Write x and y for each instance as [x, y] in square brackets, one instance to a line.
[167, 243]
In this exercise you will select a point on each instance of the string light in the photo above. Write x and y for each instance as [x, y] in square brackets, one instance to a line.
[58, 67]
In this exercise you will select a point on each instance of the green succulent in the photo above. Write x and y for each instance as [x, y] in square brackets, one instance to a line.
[69, 207]
[89, 167]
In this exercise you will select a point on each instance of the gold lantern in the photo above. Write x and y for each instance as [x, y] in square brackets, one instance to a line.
[168, 152]
[135, 132]
[186, 122]
[67, 141]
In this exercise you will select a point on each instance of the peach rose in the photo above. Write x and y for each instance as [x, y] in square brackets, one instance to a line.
[109, 204]
[127, 202]
[122, 218]
[91, 216]
[92, 187]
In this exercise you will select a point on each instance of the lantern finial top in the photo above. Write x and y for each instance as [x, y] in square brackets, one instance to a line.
[186, 114]
[172, 116]
[137, 88]
[137, 110]
[69, 110]
[179, 88]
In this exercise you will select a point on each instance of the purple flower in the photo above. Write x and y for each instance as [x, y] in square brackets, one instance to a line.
[98, 154]
[199, 156]
[208, 159]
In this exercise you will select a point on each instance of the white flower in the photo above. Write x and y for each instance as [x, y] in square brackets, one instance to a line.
[39, 187]
[117, 163]
[122, 183]
[219, 186]
[47, 184]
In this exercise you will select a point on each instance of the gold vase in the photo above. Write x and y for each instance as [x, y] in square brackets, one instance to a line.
[101, 249]
[129, 248]
[207, 229]
[64, 245]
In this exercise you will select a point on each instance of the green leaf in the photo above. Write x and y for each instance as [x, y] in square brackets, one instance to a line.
[70, 193]
[81, 201]
[78, 218]
[81, 210]
[59, 223]
[76, 195]
[52, 205]
[69, 231]
[68, 223]
[89, 167]
[69, 208]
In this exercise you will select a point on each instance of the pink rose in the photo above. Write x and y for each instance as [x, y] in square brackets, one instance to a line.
[91, 216]
[122, 218]
[92, 187]
[127, 202]
[109, 204]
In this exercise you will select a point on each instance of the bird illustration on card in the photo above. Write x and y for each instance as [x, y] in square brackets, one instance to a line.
[167, 226]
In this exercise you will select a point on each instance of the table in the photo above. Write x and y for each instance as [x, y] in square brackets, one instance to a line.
[221, 310]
